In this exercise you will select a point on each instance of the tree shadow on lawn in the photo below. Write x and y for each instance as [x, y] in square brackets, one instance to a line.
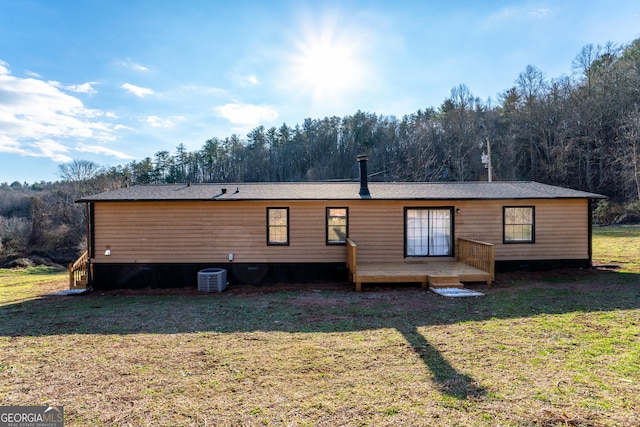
[315, 308]
[447, 378]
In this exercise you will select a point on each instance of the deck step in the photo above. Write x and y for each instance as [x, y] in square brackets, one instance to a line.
[79, 284]
[436, 285]
[445, 282]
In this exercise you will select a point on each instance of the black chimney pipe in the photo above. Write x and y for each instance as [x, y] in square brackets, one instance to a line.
[364, 185]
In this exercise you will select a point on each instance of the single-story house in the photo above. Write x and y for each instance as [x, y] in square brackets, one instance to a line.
[162, 235]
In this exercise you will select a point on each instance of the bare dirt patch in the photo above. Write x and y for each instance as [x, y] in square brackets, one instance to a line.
[316, 293]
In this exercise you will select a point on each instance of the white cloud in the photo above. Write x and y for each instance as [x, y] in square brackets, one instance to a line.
[38, 119]
[245, 80]
[8, 145]
[515, 15]
[247, 114]
[84, 88]
[53, 150]
[139, 67]
[138, 91]
[133, 66]
[99, 149]
[159, 122]
[79, 88]
[202, 90]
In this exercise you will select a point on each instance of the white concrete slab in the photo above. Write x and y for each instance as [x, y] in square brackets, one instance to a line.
[456, 292]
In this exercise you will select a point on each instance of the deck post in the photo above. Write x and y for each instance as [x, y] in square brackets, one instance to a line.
[492, 268]
[71, 281]
[351, 259]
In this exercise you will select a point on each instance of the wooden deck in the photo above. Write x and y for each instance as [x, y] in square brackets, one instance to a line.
[434, 273]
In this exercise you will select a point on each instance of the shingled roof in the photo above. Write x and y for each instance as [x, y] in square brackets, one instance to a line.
[342, 191]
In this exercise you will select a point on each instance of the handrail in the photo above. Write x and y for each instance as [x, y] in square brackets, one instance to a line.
[79, 270]
[475, 253]
[352, 249]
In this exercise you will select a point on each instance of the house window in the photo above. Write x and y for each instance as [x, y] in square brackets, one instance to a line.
[519, 224]
[337, 229]
[428, 232]
[277, 226]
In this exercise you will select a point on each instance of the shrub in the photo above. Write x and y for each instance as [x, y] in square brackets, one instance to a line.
[607, 213]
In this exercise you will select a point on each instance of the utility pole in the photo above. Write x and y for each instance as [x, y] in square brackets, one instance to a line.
[486, 160]
[489, 169]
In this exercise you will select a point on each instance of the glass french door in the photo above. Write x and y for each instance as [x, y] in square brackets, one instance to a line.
[428, 232]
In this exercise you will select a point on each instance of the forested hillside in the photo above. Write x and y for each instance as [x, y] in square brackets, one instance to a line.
[580, 131]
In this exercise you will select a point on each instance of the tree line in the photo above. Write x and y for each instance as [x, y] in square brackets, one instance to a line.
[580, 131]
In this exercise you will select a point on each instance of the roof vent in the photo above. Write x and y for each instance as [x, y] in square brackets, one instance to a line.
[224, 191]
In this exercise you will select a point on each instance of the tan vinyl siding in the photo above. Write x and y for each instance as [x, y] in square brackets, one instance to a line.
[208, 232]
[561, 228]
[196, 231]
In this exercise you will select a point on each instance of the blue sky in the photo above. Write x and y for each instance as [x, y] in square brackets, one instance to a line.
[116, 81]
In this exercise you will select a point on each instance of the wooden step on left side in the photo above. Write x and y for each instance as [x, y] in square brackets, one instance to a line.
[81, 283]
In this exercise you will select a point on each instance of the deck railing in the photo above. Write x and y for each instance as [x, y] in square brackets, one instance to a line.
[352, 249]
[79, 271]
[480, 255]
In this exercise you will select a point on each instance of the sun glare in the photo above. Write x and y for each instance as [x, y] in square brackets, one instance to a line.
[328, 64]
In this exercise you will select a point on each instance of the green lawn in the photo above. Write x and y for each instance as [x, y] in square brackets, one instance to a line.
[618, 245]
[557, 350]
[18, 285]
